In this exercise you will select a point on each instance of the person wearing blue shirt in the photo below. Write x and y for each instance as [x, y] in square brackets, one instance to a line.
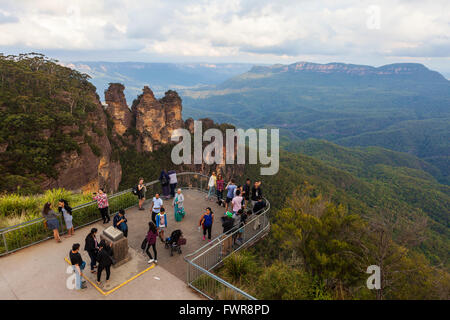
[231, 186]
[156, 207]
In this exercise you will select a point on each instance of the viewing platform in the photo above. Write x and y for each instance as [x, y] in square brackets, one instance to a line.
[39, 269]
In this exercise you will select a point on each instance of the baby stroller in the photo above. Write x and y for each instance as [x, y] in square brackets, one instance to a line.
[175, 241]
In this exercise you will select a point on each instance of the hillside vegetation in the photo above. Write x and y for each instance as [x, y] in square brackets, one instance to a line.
[44, 112]
[403, 107]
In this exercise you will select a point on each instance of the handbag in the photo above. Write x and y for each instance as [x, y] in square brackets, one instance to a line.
[144, 244]
[181, 241]
[113, 261]
[45, 224]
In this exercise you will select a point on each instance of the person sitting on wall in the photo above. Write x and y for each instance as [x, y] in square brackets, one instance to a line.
[120, 222]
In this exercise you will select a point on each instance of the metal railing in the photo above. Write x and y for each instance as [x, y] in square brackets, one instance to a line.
[201, 262]
[31, 232]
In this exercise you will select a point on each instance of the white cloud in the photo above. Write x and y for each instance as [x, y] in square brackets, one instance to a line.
[234, 30]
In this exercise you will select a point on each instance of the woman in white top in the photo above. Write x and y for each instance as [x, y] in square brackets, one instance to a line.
[212, 186]
[172, 182]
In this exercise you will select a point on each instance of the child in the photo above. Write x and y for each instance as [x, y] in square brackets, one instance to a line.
[161, 223]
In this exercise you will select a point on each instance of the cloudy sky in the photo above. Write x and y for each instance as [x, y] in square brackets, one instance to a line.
[258, 31]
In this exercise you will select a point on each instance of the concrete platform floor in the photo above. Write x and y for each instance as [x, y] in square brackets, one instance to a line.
[40, 272]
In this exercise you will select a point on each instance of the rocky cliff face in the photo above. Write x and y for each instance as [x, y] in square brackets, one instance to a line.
[152, 120]
[92, 166]
[117, 108]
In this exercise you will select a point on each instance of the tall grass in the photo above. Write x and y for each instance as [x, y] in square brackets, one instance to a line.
[15, 208]
[16, 205]
[33, 232]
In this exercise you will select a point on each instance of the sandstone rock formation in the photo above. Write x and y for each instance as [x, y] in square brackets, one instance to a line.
[148, 125]
[156, 119]
[86, 170]
[117, 108]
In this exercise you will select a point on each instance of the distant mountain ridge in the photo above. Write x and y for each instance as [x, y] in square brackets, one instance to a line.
[159, 76]
[336, 67]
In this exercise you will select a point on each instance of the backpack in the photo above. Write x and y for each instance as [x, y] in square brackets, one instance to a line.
[164, 180]
[135, 190]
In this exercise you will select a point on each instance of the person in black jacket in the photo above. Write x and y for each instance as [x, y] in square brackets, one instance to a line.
[246, 192]
[257, 210]
[165, 180]
[104, 258]
[91, 246]
[228, 226]
[256, 192]
[259, 205]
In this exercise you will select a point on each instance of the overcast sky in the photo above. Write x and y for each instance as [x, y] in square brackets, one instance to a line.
[256, 31]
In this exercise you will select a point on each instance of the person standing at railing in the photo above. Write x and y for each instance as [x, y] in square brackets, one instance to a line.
[141, 190]
[231, 187]
[156, 206]
[236, 203]
[51, 220]
[165, 181]
[103, 206]
[246, 189]
[227, 225]
[206, 221]
[220, 184]
[172, 182]
[179, 206]
[257, 210]
[211, 186]
[256, 192]
[243, 220]
[66, 211]
[91, 246]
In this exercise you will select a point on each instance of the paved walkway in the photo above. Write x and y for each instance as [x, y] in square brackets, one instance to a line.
[39, 272]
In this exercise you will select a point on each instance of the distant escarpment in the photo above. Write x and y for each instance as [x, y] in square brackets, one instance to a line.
[406, 69]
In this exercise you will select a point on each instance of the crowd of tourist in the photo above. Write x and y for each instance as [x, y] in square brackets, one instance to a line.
[241, 201]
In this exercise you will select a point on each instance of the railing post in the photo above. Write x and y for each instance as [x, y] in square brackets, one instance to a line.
[5, 243]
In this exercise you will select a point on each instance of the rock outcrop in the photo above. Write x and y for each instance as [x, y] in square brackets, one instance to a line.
[148, 125]
[117, 108]
[156, 119]
[92, 166]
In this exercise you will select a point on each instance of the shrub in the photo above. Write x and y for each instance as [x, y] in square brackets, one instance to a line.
[239, 266]
[282, 282]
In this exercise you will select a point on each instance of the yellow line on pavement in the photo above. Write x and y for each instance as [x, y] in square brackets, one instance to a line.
[120, 285]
